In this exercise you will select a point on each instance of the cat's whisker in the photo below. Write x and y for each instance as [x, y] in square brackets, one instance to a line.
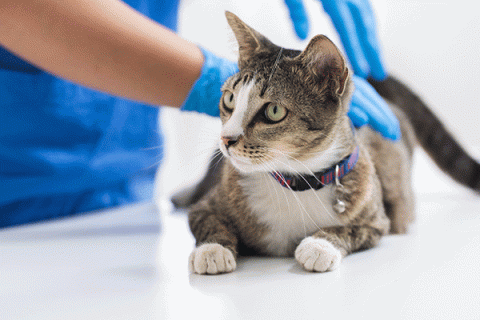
[314, 193]
[193, 157]
[153, 148]
[155, 164]
[302, 205]
[218, 154]
[216, 158]
[312, 174]
[159, 156]
[298, 161]
[330, 138]
[278, 212]
[289, 207]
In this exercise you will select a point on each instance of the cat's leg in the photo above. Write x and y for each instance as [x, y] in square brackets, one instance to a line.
[216, 249]
[393, 165]
[324, 250]
[400, 209]
[364, 219]
[398, 196]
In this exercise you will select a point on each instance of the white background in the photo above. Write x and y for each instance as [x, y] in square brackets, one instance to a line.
[431, 45]
[123, 263]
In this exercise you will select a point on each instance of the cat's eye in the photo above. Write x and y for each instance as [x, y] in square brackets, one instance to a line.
[229, 101]
[275, 112]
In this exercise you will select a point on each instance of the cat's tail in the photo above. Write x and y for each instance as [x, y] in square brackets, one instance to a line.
[441, 146]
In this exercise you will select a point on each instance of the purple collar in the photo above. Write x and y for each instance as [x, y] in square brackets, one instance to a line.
[319, 179]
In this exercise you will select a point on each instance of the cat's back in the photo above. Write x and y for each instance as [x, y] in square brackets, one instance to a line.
[386, 153]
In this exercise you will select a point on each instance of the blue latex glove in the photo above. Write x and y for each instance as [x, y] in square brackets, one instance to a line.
[354, 21]
[368, 107]
[205, 93]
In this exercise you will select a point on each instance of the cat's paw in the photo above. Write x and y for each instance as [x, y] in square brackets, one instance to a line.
[317, 255]
[211, 258]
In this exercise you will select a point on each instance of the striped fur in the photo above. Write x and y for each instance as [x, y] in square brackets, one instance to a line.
[432, 135]
[244, 210]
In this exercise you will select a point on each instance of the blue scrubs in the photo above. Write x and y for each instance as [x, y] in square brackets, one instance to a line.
[66, 149]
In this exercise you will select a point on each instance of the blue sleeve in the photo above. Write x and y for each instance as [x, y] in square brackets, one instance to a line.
[67, 149]
[11, 62]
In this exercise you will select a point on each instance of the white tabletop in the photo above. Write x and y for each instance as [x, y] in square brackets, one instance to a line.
[126, 264]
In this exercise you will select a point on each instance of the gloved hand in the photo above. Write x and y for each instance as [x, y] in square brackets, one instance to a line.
[205, 93]
[354, 21]
[368, 107]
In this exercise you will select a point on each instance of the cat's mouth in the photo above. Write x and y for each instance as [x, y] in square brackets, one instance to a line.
[250, 158]
[242, 162]
[238, 162]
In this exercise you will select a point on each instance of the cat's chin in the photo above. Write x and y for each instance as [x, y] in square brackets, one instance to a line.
[282, 164]
[241, 164]
[244, 167]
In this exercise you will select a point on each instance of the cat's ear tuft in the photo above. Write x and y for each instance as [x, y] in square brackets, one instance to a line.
[249, 40]
[326, 63]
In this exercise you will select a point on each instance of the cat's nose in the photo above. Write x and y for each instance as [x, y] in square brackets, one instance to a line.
[229, 141]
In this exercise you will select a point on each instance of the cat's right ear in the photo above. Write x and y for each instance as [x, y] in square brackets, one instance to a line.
[249, 40]
[326, 63]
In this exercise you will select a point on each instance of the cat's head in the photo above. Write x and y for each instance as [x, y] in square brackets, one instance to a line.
[285, 108]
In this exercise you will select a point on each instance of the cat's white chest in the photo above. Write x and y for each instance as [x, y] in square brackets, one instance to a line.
[290, 216]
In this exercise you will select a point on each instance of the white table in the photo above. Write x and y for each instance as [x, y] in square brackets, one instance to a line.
[126, 264]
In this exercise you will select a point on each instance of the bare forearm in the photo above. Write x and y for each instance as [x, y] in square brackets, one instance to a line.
[105, 45]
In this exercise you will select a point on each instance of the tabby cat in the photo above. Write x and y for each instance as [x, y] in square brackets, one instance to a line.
[298, 180]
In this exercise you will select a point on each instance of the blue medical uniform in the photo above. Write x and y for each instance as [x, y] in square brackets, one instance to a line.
[66, 149]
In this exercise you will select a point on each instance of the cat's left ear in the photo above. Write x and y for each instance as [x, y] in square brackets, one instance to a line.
[326, 63]
[250, 41]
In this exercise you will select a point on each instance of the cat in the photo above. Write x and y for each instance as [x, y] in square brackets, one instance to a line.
[296, 179]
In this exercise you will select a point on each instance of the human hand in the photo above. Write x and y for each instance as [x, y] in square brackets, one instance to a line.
[354, 21]
[367, 107]
[205, 93]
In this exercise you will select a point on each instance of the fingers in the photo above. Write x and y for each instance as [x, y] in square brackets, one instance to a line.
[299, 17]
[367, 102]
[366, 29]
[345, 25]
[354, 21]
[205, 93]
[357, 115]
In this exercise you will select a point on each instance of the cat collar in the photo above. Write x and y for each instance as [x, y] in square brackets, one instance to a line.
[319, 179]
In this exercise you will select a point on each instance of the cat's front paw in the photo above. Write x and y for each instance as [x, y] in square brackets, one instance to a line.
[318, 255]
[212, 258]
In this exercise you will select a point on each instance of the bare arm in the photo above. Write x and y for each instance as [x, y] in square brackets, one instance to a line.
[105, 45]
